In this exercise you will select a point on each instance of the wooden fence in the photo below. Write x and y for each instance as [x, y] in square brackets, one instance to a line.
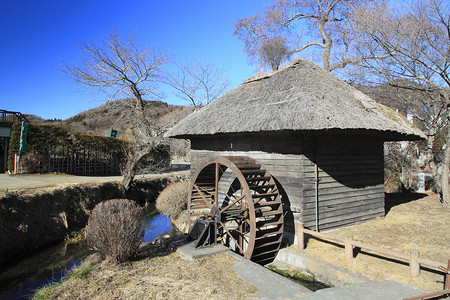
[70, 165]
[413, 258]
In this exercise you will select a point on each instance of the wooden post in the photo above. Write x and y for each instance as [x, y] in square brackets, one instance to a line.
[16, 163]
[300, 235]
[349, 247]
[447, 277]
[414, 266]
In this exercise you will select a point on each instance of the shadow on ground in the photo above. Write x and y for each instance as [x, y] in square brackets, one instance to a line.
[394, 199]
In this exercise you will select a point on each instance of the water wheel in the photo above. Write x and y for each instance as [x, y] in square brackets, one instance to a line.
[239, 193]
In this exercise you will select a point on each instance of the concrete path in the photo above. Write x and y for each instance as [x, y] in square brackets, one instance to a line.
[371, 290]
[271, 285]
[322, 270]
[189, 252]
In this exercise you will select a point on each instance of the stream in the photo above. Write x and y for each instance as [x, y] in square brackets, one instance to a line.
[20, 280]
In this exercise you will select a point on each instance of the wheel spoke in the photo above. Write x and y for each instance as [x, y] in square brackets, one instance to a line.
[248, 203]
[203, 196]
[231, 204]
[226, 195]
[229, 234]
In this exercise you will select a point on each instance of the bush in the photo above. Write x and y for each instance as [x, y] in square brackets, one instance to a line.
[173, 199]
[115, 229]
[52, 148]
[158, 158]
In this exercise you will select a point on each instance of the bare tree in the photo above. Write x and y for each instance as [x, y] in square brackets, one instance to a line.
[329, 26]
[197, 83]
[428, 109]
[274, 52]
[118, 68]
[417, 44]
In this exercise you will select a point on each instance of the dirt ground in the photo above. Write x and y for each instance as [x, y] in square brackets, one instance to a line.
[413, 221]
[159, 274]
[34, 181]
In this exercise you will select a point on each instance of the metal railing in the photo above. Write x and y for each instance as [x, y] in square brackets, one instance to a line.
[10, 117]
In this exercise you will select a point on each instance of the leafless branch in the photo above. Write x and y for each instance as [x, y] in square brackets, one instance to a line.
[197, 83]
[118, 68]
[327, 21]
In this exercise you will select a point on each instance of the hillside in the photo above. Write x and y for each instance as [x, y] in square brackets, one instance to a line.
[118, 115]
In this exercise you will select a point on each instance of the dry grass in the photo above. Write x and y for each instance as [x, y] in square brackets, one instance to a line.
[161, 275]
[173, 200]
[415, 221]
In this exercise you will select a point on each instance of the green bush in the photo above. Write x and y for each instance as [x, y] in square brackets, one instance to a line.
[115, 229]
[173, 199]
[14, 145]
[47, 143]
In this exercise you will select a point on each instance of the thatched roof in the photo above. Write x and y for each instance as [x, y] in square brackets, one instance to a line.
[299, 97]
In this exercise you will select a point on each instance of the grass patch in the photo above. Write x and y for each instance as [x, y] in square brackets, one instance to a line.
[52, 290]
[45, 292]
[82, 271]
[76, 237]
[303, 277]
[158, 274]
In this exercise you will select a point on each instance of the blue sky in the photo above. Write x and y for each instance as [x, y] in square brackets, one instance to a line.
[38, 35]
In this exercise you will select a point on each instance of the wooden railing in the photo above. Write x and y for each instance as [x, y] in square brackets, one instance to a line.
[413, 258]
[11, 117]
[434, 295]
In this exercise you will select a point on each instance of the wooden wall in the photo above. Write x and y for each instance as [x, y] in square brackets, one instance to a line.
[351, 183]
[280, 154]
[350, 172]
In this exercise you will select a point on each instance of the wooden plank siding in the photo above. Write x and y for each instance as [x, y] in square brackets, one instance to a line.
[350, 187]
[279, 153]
[350, 170]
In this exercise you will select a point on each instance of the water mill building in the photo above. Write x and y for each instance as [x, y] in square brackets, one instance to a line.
[297, 145]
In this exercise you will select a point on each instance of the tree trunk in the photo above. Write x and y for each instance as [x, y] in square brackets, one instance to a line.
[326, 56]
[445, 170]
[130, 172]
[131, 167]
[429, 155]
[328, 43]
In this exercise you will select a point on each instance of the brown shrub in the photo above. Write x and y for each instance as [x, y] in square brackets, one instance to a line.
[115, 229]
[173, 199]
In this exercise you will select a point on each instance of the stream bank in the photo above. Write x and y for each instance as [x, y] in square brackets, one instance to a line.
[33, 219]
[51, 265]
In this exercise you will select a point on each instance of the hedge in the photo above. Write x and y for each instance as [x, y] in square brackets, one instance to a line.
[46, 142]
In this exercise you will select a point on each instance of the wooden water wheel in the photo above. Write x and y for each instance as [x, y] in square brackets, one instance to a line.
[244, 199]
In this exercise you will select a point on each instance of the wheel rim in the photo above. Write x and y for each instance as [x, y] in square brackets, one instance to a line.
[244, 198]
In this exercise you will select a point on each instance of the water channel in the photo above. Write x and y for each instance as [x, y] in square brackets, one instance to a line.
[20, 280]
